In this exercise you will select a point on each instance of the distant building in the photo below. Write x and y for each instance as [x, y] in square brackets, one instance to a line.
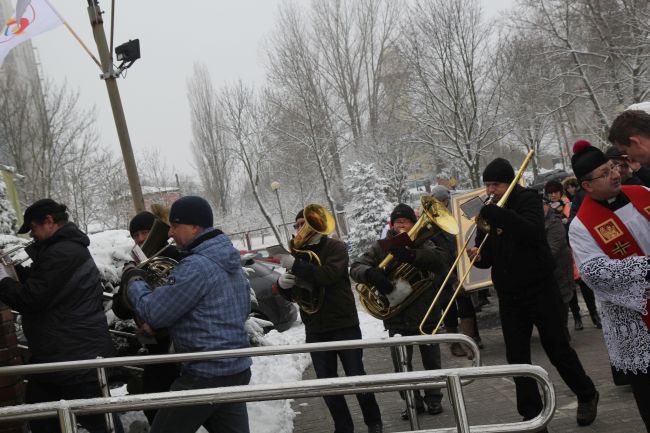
[162, 195]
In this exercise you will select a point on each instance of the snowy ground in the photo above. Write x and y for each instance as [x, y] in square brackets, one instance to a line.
[275, 416]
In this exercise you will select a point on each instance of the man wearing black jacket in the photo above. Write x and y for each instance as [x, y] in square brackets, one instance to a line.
[522, 273]
[431, 260]
[60, 300]
[336, 320]
[155, 377]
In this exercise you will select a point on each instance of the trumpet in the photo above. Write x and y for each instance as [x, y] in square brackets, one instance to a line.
[8, 260]
[483, 226]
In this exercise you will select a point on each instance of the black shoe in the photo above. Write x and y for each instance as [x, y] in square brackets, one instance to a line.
[433, 405]
[587, 411]
[376, 428]
[419, 408]
[434, 408]
[578, 324]
[596, 321]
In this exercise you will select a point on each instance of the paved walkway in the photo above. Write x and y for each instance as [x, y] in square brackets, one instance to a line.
[493, 400]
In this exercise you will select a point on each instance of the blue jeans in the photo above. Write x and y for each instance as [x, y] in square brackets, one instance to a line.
[325, 366]
[221, 418]
[39, 392]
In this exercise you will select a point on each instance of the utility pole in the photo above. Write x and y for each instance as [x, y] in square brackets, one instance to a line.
[109, 76]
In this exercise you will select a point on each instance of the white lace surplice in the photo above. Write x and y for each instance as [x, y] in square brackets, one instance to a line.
[621, 288]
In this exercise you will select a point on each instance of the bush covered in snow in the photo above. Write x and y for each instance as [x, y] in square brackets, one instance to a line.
[369, 207]
[7, 214]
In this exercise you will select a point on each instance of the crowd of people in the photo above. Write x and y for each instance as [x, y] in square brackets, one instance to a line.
[590, 231]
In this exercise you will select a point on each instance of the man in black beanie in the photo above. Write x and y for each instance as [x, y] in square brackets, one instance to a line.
[335, 320]
[155, 377]
[140, 225]
[522, 273]
[610, 238]
[204, 304]
[429, 260]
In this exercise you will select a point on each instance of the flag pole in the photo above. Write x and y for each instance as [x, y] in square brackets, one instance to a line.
[84, 46]
[76, 36]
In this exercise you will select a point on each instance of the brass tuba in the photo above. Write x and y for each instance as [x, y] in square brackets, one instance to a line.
[148, 256]
[434, 214]
[318, 221]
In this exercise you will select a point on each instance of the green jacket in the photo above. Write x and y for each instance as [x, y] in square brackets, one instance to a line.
[338, 310]
[433, 260]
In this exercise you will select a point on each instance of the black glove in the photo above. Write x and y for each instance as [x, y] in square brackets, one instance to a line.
[491, 213]
[121, 305]
[376, 277]
[130, 271]
[403, 254]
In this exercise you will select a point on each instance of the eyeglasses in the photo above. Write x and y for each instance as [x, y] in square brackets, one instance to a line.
[606, 173]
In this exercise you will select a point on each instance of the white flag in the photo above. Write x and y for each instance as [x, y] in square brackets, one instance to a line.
[21, 5]
[39, 16]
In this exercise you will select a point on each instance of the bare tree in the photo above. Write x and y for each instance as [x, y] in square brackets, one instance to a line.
[353, 39]
[154, 170]
[209, 140]
[600, 52]
[457, 82]
[529, 103]
[55, 129]
[247, 123]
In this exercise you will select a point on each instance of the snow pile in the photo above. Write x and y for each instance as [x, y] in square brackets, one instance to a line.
[277, 416]
[111, 250]
[643, 106]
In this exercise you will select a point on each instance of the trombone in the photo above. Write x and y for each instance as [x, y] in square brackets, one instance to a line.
[483, 225]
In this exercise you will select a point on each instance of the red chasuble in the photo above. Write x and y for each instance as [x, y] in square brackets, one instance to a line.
[610, 233]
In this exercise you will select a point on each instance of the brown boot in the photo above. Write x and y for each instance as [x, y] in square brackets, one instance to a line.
[457, 350]
[467, 328]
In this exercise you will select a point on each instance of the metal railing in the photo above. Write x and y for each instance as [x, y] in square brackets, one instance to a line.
[67, 411]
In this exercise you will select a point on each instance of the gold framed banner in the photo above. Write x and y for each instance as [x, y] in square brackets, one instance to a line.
[464, 208]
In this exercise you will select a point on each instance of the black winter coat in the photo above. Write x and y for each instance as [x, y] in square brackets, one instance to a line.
[517, 249]
[338, 310]
[432, 258]
[60, 301]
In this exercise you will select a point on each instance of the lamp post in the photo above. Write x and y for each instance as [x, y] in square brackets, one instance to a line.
[275, 186]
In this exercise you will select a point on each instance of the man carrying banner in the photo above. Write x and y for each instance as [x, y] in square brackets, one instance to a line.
[610, 237]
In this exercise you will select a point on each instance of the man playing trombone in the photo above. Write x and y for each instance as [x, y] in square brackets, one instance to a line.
[522, 272]
[431, 256]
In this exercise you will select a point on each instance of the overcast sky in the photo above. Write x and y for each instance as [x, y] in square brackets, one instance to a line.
[226, 35]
